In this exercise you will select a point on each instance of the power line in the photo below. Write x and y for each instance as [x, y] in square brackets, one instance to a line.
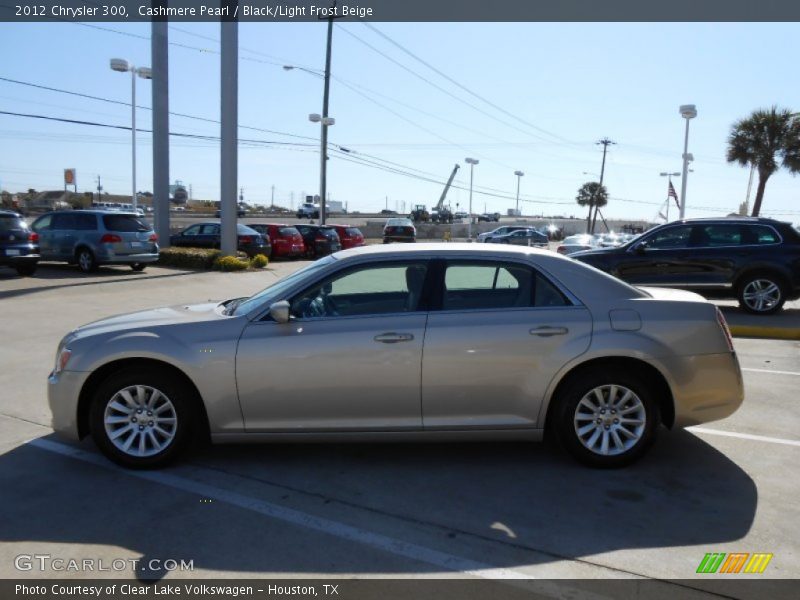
[463, 87]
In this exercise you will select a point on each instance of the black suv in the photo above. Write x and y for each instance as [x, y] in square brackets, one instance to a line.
[754, 260]
[19, 246]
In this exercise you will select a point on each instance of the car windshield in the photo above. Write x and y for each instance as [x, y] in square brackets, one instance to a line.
[274, 292]
[124, 223]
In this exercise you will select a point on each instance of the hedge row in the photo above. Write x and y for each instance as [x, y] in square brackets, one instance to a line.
[206, 258]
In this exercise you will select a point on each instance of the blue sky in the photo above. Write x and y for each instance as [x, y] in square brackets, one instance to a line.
[577, 82]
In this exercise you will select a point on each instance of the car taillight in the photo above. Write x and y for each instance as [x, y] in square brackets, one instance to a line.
[153, 238]
[245, 239]
[110, 238]
[725, 329]
[561, 250]
[33, 237]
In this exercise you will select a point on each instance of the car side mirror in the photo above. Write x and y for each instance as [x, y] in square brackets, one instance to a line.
[279, 311]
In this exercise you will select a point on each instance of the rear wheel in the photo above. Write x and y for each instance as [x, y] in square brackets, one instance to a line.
[761, 294]
[142, 418]
[86, 260]
[138, 266]
[606, 418]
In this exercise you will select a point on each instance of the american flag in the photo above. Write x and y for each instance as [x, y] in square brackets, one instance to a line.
[673, 194]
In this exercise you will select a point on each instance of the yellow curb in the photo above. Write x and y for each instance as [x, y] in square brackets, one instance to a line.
[780, 333]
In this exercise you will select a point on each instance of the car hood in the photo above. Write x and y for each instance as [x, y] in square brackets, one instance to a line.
[599, 251]
[145, 319]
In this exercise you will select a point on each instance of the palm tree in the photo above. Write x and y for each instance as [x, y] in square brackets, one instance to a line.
[766, 140]
[592, 194]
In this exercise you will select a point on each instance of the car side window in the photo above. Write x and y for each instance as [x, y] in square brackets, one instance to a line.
[497, 286]
[209, 229]
[673, 237]
[43, 223]
[85, 222]
[63, 222]
[193, 230]
[368, 290]
[760, 234]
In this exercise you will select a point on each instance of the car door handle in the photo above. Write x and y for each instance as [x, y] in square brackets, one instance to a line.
[546, 331]
[393, 338]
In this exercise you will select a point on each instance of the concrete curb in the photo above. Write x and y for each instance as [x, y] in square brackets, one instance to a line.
[755, 331]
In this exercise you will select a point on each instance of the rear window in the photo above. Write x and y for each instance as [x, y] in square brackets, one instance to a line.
[124, 223]
[288, 231]
[354, 231]
[328, 232]
[10, 223]
[245, 230]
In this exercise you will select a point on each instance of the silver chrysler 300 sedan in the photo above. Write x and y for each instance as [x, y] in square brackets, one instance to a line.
[424, 342]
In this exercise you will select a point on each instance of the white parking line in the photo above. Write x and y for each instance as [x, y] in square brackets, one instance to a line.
[397, 547]
[744, 436]
[771, 371]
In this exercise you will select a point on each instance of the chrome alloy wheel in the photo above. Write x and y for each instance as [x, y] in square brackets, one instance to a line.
[85, 260]
[610, 420]
[761, 295]
[140, 420]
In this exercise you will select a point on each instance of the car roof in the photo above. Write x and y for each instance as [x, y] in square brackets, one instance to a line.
[443, 249]
[93, 211]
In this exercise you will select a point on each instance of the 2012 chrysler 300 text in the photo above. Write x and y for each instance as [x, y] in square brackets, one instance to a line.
[427, 342]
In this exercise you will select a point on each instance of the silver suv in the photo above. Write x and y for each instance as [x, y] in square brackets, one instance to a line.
[90, 238]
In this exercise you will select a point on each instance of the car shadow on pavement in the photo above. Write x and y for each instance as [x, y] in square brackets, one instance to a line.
[506, 504]
[53, 277]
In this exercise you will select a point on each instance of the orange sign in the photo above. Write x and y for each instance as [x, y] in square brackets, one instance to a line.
[69, 176]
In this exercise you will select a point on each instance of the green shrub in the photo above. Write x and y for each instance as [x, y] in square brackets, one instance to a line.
[231, 263]
[259, 261]
[188, 258]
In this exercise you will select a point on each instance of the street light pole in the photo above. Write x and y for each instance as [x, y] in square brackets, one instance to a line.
[519, 175]
[688, 112]
[122, 66]
[471, 162]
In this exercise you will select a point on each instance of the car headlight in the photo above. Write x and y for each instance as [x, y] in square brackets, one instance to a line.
[62, 358]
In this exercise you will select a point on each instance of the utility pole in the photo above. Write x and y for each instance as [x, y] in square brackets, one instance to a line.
[272, 197]
[323, 180]
[605, 142]
[99, 189]
[749, 187]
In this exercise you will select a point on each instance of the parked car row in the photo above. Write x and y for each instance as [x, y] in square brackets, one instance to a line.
[275, 239]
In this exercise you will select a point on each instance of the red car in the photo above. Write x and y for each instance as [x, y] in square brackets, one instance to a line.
[286, 240]
[350, 237]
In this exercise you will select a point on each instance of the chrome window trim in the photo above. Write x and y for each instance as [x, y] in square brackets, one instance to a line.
[650, 249]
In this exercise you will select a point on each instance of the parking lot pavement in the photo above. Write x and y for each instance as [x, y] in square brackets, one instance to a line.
[783, 325]
[439, 510]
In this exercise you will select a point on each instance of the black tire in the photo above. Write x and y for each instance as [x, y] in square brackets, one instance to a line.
[86, 260]
[763, 281]
[183, 402]
[583, 383]
[26, 270]
[138, 266]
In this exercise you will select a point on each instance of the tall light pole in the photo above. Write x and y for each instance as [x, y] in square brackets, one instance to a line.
[122, 66]
[669, 188]
[688, 112]
[519, 175]
[471, 162]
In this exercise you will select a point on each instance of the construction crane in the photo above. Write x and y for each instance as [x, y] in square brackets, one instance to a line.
[442, 213]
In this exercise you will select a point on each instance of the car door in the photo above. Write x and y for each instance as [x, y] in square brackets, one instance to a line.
[503, 331]
[63, 236]
[660, 258]
[209, 236]
[188, 236]
[348, 360]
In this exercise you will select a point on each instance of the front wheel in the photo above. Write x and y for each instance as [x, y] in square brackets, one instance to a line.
[142, 418]
[606, 418]
[138, 266]
[761, 294]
